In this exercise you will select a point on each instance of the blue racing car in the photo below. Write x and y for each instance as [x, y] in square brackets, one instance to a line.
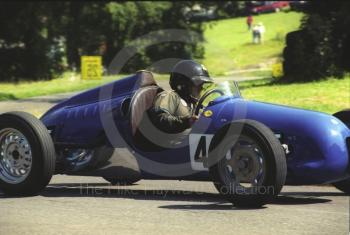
[248, 149]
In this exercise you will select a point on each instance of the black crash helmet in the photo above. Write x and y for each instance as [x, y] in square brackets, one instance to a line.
[185, 75]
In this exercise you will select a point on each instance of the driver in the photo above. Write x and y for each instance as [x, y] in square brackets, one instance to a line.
[172, 111]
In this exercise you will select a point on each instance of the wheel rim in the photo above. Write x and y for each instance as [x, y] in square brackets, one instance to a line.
[243, 166]
[15, 156]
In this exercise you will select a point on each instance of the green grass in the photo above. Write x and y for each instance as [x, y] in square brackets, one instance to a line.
[228, 47]
[69, 82]
[327, 96]
[229, 44]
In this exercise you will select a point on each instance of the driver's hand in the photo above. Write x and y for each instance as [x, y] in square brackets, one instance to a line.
[193, 119]
[189, 121]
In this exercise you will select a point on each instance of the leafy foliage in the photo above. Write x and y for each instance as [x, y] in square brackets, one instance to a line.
[321, 48]
[40, 39]
[26, 38]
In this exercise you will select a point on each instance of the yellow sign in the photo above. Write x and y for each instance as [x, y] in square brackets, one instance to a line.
[91, 67]
[277, 70]
[208, 113]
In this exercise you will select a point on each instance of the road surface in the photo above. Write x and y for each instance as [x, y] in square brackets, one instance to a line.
[87, 205]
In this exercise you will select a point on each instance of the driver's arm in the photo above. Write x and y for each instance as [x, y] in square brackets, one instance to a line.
[165, 114]
[170, 123]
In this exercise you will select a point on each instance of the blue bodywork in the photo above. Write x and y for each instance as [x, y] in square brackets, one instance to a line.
[318, 142]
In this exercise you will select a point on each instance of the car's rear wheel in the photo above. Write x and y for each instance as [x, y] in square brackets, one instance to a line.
[27, 154]
[250, 168]
[343, 116]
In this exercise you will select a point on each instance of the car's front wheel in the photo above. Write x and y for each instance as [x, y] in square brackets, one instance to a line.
[27, 154]
[343, 116]
[250, 165]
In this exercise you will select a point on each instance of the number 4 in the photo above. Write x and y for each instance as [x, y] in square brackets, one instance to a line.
[201, 151]
[199, 146]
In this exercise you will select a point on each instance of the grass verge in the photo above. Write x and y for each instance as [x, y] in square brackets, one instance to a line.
[327, 96]
[69, 82]
[228, 43]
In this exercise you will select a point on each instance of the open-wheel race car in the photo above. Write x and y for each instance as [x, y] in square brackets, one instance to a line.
[249, 149]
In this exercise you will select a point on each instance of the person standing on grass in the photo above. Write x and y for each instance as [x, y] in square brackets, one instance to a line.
[249, 22]
[261, 30]
[256, 34]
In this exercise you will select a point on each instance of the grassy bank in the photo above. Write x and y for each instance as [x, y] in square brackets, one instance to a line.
[327, 96]
[228, 43]
[69, 82]
[228, 47]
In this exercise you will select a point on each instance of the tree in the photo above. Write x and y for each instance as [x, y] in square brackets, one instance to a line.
[130, 21]
[321, 48]
[36, 38]
[28, 33]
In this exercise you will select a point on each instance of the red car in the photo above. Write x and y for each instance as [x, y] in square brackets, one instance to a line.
[270, 6]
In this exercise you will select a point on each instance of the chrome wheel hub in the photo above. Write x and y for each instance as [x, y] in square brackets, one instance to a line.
[15, 156]
[243, 164]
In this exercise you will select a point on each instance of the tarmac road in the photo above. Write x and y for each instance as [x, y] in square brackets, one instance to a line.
[88, 205]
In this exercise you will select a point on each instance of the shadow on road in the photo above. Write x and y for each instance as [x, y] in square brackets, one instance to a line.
[106, 190]
[298, 200]
[218, 202]
[315, 194]
[215, 206]
[281, 200]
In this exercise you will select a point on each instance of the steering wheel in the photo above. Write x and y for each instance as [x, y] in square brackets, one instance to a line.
[204, 96]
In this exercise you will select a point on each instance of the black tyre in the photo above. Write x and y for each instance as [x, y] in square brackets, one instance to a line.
[120, 181]
[27, 156]
[343, 186]
[343, 116]
[248, 164]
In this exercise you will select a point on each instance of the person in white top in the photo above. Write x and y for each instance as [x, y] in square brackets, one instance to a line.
[261, 30]
[256, 34]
